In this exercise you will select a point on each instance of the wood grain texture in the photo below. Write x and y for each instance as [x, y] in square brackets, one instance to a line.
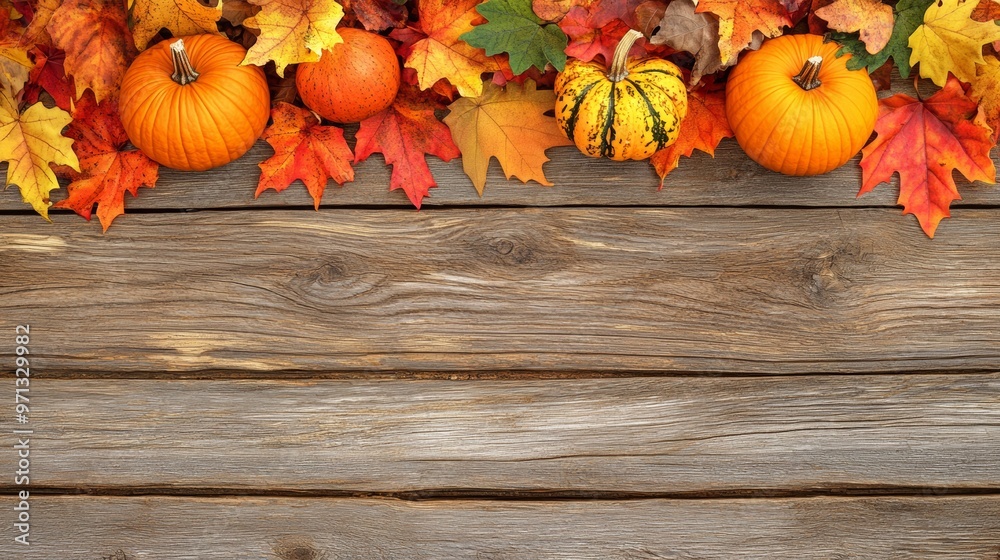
[721, 290]
[731, 179]
[122, 528]
[653, 436]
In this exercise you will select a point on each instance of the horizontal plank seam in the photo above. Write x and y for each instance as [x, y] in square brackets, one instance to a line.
[447, 207]
[463, 375]
[458, 494]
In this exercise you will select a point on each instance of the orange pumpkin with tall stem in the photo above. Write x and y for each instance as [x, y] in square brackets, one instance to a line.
[188, 104]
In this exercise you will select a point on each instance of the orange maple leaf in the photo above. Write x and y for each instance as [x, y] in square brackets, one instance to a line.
[97, 42]
[440, 54]
[702, 129]
[738, 19]
[107, 171]
[376, 15]
[987, 10]
[871, 17]
[925, 141]
[555, 10]
[305, 150]
[508, 124]
[35, 33]
[403, 133]
[985, 91]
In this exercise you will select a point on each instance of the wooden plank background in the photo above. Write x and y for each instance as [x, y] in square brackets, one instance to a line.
[729, 179]
[570, 289]
[637, 436]
[742, 365]
[318, 529]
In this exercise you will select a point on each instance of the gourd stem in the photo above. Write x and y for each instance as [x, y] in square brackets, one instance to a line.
[183, 71]
[808, 77]
[619, 66]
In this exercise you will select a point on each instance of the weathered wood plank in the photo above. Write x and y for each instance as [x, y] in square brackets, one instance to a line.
[730, 290]
[731, 179]
[137, 528]
[660, 436]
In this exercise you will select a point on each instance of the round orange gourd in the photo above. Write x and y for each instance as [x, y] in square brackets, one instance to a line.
[189, 105]
[795, 107]
[626, 111]
[353, 81]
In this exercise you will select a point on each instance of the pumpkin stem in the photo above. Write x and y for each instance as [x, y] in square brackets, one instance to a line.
[619, 66]
[808, 77]
[183, 71]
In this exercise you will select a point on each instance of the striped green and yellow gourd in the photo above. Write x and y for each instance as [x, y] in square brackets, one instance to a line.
[627, 111]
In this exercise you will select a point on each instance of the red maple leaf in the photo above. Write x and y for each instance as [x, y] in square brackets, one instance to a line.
[303, 149]
[403, 133]
[49, 74]
[702, 129]
[925, 141]
[107, 170]
[595, 30]
[377, 15]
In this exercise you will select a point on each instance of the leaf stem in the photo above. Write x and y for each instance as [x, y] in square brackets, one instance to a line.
[184, 73]
[808, 77]
[619, 66]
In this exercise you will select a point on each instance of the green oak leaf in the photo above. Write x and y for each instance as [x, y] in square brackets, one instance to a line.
[514, 29]
[909, 14]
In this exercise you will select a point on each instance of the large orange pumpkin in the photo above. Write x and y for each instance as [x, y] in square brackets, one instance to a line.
[355, 80]
[189, 105]
[795, 107]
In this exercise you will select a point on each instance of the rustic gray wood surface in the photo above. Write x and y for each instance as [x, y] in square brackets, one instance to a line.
[730, 179]
[257, 528]
[640, 435]
[742, 365]
[597, 289]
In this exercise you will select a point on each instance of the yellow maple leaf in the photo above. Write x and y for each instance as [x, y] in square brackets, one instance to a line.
[180, 17]
[508, 124]
[951, 41]
[14, 61]
[14, 68]
[29, 143]
[293, 31]
[987, 94]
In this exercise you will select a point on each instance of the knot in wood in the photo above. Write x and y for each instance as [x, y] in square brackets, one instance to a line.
[835, 268]
[513, 252]
[504, 246]
[330, 272]
[298, 551]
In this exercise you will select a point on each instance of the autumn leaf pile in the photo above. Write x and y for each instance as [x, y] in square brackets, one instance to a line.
[477, 84]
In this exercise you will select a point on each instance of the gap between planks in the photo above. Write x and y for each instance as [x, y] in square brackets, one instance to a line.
[451, 494]
[129, 528]
[470, 375]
